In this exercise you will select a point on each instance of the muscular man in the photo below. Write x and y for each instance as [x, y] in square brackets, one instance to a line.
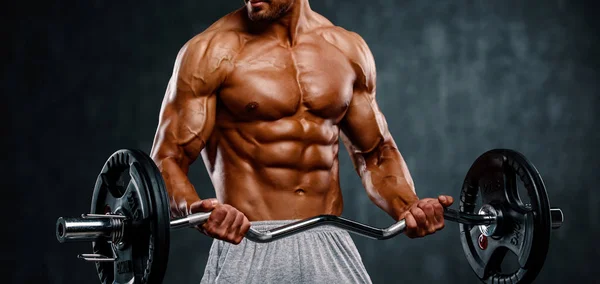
[264, 94]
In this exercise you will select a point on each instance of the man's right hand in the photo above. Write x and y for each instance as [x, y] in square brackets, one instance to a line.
[225, 222]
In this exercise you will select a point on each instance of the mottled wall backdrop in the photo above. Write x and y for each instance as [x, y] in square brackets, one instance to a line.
[85, 78]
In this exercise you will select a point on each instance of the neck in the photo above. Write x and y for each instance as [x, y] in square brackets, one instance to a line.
[290, 24]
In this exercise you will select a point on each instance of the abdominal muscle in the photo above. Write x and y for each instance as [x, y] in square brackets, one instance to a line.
[276, 170]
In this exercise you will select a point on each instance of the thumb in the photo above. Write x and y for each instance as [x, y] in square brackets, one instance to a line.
[204, 205]
[445, 200]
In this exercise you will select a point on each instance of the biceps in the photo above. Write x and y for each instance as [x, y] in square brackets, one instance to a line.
[185, 124]
[364, 125]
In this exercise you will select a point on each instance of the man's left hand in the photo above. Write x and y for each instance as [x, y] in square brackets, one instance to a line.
[426, 216]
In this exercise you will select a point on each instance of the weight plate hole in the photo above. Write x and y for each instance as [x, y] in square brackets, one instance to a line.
[510, 263]
[522, 192]
[117, 180]
[61, 230]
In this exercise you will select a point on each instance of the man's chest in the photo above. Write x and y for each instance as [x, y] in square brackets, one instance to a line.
[270, 81]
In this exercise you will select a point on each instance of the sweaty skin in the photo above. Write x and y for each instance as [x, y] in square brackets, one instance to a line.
[265, 98]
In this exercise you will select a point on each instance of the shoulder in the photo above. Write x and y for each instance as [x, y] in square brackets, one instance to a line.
[222, 40]
[349, 42]
[355, 48]
[206, 59]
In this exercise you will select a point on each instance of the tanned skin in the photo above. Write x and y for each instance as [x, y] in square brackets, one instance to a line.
[264, 95]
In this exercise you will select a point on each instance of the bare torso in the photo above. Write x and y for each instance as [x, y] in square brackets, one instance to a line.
[265, 102]
[273, 151]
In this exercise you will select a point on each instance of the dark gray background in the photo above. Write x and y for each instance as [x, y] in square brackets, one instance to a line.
[82, 79]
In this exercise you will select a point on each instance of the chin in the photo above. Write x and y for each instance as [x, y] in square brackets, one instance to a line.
[261, 15]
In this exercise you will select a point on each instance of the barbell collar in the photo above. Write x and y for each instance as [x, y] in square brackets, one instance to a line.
[89, 229]
[469, 219]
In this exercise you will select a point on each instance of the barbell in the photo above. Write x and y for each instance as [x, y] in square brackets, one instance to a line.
[129, 224]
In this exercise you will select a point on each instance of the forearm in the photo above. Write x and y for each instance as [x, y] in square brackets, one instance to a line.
[386, 178]
[174, 168]
[176, 180]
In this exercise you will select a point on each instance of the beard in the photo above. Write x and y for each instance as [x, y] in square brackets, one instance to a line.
[273, 12]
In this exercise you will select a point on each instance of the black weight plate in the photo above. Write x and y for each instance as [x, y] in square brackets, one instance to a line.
[130, 184]
[524, 228]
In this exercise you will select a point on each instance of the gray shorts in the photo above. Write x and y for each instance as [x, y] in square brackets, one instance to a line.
[320, 255]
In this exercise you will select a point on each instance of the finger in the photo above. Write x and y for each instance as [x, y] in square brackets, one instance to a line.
[426, 206]
[182, 208]
[243, 230]
[213, 223]
[419, 216]
[446, 200]
[174, 210]
[439, 214]
[204, 205]
[225, 226]
[420, 219]
[233, 233]
[438, 208]
[436, 217]
[224, 229]
[411, 225]
[245, 226]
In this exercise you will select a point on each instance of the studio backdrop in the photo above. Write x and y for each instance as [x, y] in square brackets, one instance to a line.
[455, 78]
